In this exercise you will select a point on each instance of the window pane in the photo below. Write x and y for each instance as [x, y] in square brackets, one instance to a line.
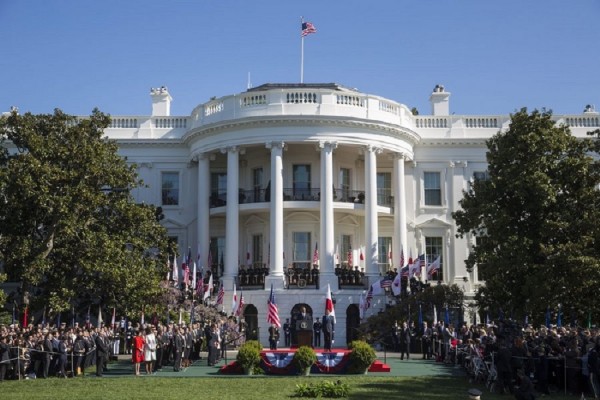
[257, 250]
[384, 188]
[383, 248]
[302, 246]
[301, 181]
[218, 189]
[170, 188]
[346, 247]
[433, 191]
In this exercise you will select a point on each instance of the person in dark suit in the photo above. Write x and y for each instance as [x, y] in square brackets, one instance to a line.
[178, 347]
[317, 333]
[101, 352]
[287, 332]
[273, 337]
[328, 326]
[404, 337]
[426, 341]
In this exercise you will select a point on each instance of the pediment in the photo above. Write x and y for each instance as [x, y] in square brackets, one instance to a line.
[434, 222]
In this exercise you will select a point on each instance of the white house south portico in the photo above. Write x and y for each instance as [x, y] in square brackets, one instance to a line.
[304, 185]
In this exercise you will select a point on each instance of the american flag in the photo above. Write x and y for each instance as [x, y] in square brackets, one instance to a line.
[240, 306]
[308, 28]
[273, 313]
[221, 295]
[386, 283]
[369, 298]
[401, 257]
[350, 262]
[200, 286]
[404, 271]
[316, 254]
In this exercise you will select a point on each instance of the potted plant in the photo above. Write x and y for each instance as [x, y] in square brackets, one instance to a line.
[249, 356]
[304, 358]
[361, 357]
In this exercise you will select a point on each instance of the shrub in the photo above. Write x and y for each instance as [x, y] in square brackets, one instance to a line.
[323, 389]
[249, 355]
[304, 358]
[361, 357]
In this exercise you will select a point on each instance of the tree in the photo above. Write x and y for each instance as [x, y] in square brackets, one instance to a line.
[69, 228]
[536, 220]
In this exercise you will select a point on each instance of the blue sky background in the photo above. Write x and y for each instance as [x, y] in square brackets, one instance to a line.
[493, 56]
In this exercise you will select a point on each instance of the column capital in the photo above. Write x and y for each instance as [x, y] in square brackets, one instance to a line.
[275, 145]
[371, 148]
[327, 145]
[231, 149]
[399, 155]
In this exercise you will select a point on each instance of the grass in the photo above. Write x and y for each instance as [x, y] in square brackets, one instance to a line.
[242, 388]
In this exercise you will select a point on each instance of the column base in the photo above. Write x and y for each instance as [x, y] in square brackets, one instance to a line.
[276, 281]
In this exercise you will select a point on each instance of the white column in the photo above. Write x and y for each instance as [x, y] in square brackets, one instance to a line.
[275, 276]
[371, 223]
[203, 217]
[232, 218]
[326, 261]
[399, 209]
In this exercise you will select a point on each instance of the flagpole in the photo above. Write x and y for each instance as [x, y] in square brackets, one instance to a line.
[301, 53]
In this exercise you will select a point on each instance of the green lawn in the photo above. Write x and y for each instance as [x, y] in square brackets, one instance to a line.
[240, 388]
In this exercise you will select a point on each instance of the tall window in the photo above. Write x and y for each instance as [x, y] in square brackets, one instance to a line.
[217, 255]
[384, 188]
[433, 249]
[218, 189]
[301, 181]
[433, 189]
[384, 247]
[301, 250]
[257, 183]
[344, 183]
[170, 188]
[257, 249]
[345, 251]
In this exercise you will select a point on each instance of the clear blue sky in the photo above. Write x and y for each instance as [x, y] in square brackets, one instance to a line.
[494, 56]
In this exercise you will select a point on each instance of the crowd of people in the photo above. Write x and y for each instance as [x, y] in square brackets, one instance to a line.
[511, 358]
[42, 351]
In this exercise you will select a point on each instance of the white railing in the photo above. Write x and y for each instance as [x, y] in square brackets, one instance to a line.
[124, 122]
[431, 122]
[302, 97]
[583, 121]
[253, 100]
[480, 122]
[350, 100]
[389, 107]
[213, 108]
[169, 122]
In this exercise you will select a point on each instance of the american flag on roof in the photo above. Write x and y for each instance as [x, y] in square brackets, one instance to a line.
[308, 28]
[273, 312]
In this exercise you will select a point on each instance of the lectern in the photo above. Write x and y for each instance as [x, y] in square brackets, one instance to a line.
[304, 332]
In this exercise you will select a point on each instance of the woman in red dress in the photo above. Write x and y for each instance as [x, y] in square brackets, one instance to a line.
[138, 351]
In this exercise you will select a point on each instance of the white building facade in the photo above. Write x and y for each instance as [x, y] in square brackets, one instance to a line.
[295, 185]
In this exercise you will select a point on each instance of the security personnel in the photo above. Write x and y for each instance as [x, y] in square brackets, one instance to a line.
[317, 333]
[287, 332]
[273, 336]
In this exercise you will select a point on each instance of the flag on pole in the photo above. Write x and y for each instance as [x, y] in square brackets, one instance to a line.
[240, 307]
[175, 275]
[337, 253]
[435, 321]
[208, 290]
[308, 28]
[329, 303]
[316, 254]
[194, 272]
[433, 268]
[186, 274]
[25, 315]
[272, 312]
[221, 295]
[397, 284]
[369, 298]
[401, 256]
[361, 306]
[100, 320]
[361, 256]
[377, 289]
[390, 259]
[234, 301]
[200, 286]
[248, 258]
[113, 319]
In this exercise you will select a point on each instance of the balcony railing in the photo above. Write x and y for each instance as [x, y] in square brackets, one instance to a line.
[302, 276]
[384, 197]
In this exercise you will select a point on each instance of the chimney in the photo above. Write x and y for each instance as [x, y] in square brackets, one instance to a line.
[440, 103]
[161, 102]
